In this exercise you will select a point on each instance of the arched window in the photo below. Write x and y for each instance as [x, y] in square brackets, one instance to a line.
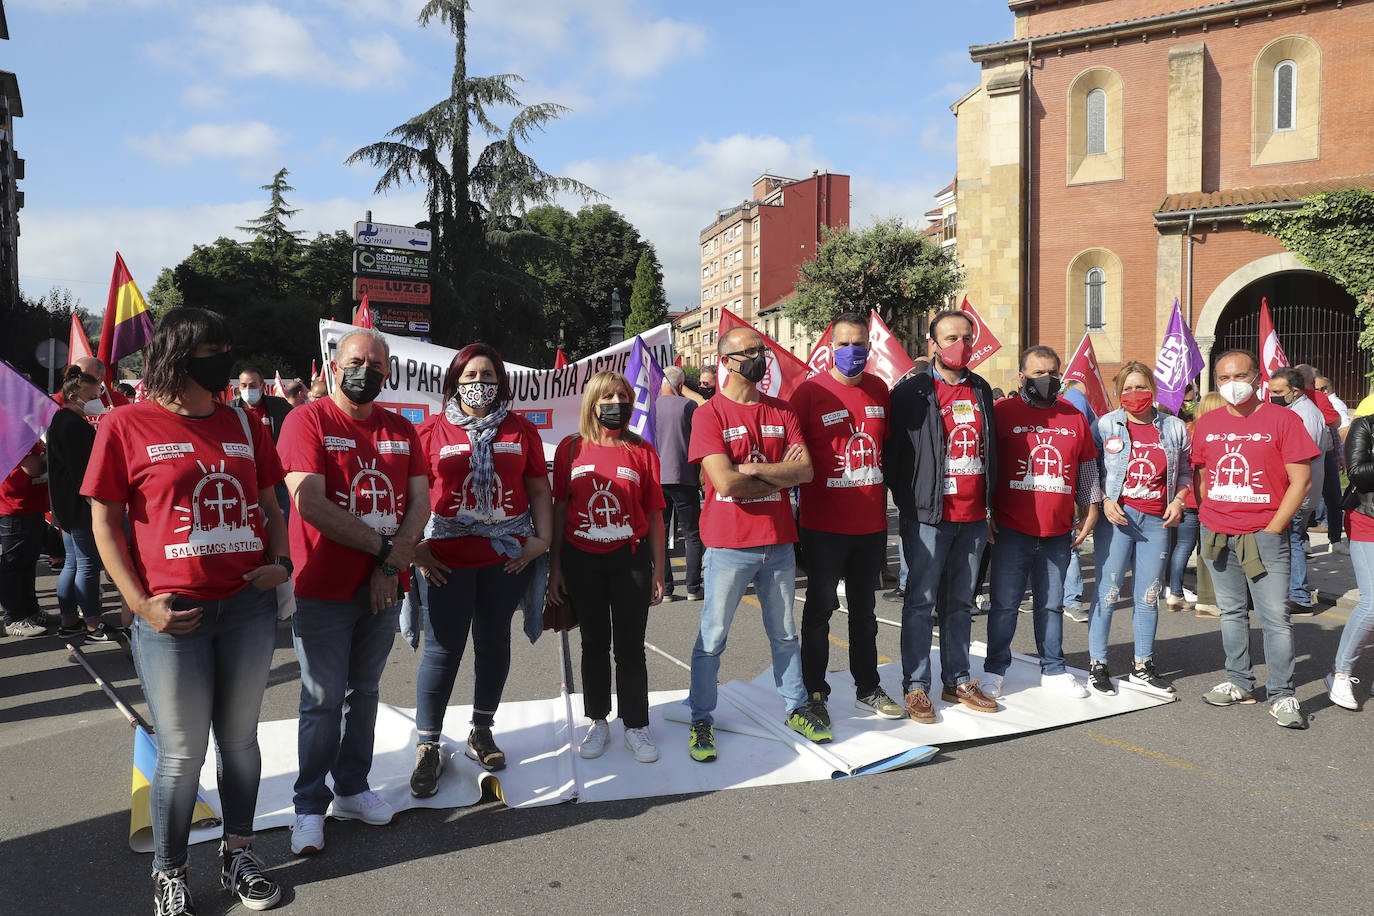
[1285, 95]
[1097, 123]
[1096, 311]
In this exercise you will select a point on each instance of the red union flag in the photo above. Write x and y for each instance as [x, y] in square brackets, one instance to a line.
[362, 315]
[822, 356]
[985, 343]
[886, 358]
[1083, 369]
[785, 372]
[1271, 352]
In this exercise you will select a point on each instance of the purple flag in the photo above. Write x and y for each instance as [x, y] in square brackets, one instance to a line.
[24, 415]
[1178, 364]
[647, 378]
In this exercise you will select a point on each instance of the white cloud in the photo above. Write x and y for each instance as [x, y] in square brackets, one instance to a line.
[937, 138]
[81, 6]
[205, 95]
[73, 247]
[243, 140]
[261, 40]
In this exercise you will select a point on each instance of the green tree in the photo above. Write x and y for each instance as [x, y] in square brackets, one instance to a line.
[1332, 232]
[270, 228]
[480, 290]
[888, 266]
[163, 295]
[34, 320]
[648, 309]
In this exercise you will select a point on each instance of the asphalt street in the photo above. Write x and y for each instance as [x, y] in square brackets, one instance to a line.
[1183, 808]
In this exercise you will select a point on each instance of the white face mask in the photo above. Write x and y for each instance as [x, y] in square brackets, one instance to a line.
[251, 396]
[1236, 392]
[94, 407]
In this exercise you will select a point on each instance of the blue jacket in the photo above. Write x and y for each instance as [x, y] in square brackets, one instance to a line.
[1173, 438]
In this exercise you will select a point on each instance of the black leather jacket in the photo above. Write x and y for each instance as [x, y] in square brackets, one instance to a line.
[1359, 464]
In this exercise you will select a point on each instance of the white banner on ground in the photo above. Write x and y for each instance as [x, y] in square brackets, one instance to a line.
[548, 398]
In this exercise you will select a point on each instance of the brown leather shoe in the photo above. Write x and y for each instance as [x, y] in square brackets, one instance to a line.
[918, 706]
[969, 694]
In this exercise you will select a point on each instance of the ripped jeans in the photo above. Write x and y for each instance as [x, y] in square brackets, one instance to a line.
[1144, 539]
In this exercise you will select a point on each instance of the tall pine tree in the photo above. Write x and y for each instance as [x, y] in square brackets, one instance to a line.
[647, 306]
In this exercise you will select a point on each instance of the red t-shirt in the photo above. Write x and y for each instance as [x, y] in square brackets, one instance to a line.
[258, 414]
[366, 465]
[1143, 488]
[611, 491]
[19, 494]
[965, 486]
[517, 453]
[844, 427]
[745, 433]
[1323, 402]
[191, 485]
[1039, 450]
[1359, 526]
[1244, 460]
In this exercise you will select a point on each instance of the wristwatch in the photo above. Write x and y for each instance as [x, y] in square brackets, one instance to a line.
[284, 560]
[388, 570]
[385, 550]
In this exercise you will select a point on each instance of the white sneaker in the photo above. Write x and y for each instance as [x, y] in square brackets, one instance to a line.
[24, 629]
[307, 834]
[1173, 602]
[1064, 683]
[641, 745]
[1338, 688]
[367, 807]
[1341, 547]
[1190, 597]
[594, 744]
[991, 685]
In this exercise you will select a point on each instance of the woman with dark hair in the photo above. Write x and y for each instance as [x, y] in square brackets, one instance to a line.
[207, 547]
[70, 438]
[492, 517]
[1145, 454]
[607, 502]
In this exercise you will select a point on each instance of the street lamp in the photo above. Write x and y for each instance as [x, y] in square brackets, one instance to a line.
[617, 326]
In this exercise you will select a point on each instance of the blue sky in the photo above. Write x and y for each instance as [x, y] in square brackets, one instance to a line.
[150, 124]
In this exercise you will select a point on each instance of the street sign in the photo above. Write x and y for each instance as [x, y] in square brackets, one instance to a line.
[379, 262]
[401, 319]
[387, 235]
[406, 292]
[52, 353]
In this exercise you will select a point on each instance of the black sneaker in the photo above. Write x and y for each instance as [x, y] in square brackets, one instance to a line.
[817, 706]
[241, 874]
[99, 634]
[482, 748]
[67, 632]
[171, 896]
[1144, 674]
[701, 742]
[1099, 680]
[805, 722]
[429, 763]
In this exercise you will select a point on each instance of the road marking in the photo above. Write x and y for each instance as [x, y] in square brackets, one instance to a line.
[1227, 779]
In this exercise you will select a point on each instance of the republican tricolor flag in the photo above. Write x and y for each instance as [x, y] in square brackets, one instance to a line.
[128, 323]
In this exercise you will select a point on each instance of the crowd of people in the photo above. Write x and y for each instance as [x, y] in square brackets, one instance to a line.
[216, 519]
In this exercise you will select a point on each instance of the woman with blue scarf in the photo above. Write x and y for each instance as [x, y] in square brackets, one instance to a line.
[492, 518]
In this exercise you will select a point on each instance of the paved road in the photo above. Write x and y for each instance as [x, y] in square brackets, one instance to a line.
[1178, 809]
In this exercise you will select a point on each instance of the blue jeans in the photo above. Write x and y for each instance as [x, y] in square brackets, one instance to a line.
[1144, 540]
[21, 541]
[78, 585]
[902, 570]
[727, 572]
[1185, 542]
[213, 675]
[1269, 589]
[946, 557]
[1073, 579]
[1355, 637]
[1044, 562]
[1299, 592]
[481, 600]
[342, 648]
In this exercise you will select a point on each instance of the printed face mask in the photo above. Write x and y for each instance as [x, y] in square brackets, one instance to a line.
[1136, 401]
[1044, 388]
[851, 359]
[361, 384]
[615, 415]
[1236, 392]
[956, 355]
[210, 372]
[477, 395]
[251, 396]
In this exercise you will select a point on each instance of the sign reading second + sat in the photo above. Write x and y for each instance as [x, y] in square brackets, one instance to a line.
[384, 263]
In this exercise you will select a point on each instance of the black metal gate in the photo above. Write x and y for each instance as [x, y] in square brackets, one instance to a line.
[1316, 324]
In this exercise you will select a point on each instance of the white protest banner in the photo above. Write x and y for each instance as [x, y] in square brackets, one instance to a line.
[549, 398]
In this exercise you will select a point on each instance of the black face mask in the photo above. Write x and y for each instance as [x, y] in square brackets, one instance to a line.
[754, 368]
[1278, 399]
[614, 416]
[210, 372]
[361, 384]
[1043, 389]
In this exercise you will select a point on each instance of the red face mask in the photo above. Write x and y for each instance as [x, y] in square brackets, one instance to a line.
[956, 355]
[1137, 401]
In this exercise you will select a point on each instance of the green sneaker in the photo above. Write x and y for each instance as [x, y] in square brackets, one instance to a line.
[1227, 694]
[702, 743]
[817, 705]
[804, 721]
[1288, 713]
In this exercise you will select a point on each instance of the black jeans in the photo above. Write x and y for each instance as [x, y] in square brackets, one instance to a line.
[610, 593]
[858, 559]
[21, 541]
[684, 502]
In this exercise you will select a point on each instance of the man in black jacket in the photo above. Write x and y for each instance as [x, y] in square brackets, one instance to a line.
[940, 463]
[270, 411]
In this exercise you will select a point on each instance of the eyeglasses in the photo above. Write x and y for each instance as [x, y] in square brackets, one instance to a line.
[751, 353]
